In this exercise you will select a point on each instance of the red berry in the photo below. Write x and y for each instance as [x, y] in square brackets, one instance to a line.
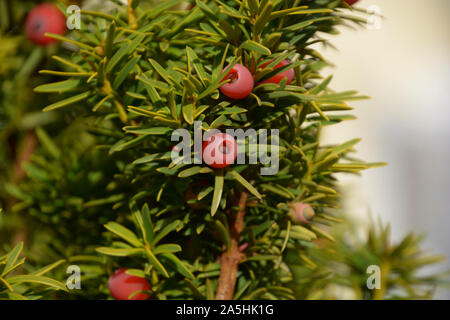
[289, 74]
[241, 84]
[301, 212]
[219, 151]
[122, 285]
[351, 2]
[44, 18]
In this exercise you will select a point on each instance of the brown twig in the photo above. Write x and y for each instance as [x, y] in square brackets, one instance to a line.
[231, 258]
[27, 149]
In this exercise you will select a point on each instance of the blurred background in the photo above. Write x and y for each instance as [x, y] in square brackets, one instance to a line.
[402, 62]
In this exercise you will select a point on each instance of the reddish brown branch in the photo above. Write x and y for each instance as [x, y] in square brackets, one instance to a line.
[231, 258]
[28, 147]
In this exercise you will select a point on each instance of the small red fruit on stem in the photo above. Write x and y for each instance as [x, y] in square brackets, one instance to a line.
[241, 84]
[219, 150]
[289, 74]
[44, 18]
[122, 285]
[351, 2]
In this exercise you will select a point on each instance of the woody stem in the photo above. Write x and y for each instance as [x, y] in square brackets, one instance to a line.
[232, 256]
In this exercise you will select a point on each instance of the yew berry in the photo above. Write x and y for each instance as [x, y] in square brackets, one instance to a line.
[301, 212]
[351, 2]
[122, 285]
[241, 84]
[289, 74]
[219, 150]
[44, 18]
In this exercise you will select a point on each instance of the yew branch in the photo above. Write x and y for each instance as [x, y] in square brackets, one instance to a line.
[233, 256]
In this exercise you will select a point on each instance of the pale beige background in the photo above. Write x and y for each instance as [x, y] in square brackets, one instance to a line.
[404, 66]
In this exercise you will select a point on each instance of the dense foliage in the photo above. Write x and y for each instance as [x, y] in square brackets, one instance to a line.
[101, 190]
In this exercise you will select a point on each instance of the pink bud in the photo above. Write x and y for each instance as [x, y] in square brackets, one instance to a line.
[301, 212]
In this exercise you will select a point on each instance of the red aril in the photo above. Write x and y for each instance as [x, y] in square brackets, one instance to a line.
[219, 150]
[44, 18]
[289, 74]
[122, 285]
[241, 84]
